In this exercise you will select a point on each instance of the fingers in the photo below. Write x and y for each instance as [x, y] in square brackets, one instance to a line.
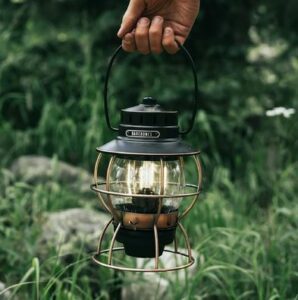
[155, 34]
[132, 14]
[142, 36]
[151, 37]
[168, 41]
[128, 42]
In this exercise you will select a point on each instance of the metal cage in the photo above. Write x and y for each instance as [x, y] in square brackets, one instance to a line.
[104, 194]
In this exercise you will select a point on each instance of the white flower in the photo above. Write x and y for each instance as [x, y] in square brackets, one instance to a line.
[277, 111]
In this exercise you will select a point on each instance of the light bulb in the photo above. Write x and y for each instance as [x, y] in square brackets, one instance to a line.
[144, 177]
[147, 174]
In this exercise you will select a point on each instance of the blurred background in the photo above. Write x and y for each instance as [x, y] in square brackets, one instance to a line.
[53, 56]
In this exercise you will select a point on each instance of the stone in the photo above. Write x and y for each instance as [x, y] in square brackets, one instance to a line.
[68, 229]
[157, 285]
[146, 287]
[3, 294]
[34, 169]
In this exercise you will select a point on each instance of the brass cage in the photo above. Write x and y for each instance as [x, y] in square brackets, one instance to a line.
[102, 190]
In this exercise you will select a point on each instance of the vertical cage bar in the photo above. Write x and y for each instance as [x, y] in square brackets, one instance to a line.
[199, 170]
[162, 188]
[112, 244]
[109, 170]
[186, 241]
[175, 244]
[102, 235]
[156, 246]
[95, 178]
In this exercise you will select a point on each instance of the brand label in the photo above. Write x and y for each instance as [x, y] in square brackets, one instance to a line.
[150, 134]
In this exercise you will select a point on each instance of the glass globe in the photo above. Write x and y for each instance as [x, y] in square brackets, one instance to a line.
[144, 177]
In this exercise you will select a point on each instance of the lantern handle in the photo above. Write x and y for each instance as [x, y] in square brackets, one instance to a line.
[195, 90]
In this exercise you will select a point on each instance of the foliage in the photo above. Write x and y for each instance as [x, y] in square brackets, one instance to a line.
[52, 61]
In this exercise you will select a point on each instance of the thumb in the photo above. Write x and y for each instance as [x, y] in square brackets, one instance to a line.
[131, 16]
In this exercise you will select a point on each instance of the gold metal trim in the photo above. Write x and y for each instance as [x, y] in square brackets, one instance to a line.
[158, 220]
[110, 204]
[184, 266]
[162, 190]
[112, 244]
[199, 170]
[95, 178]
[175, 244]
[98, 190]
[156, 246]
[111, 250]
[186, 241]
[102, 235]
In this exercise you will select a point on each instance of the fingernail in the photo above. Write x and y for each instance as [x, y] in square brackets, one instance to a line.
[168, 30]
[157, 20]
[119, 31]
[143, 21]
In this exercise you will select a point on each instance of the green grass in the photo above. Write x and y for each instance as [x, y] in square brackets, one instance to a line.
[245, 252]
[52, 62]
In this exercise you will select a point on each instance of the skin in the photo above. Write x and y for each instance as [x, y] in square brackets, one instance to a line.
[151, 26]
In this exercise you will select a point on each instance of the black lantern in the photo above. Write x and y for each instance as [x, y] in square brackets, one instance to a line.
[145, 181]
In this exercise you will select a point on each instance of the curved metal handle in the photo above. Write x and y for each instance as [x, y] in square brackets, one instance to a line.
[195, 91]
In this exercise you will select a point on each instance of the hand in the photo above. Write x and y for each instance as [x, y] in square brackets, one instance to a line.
[153, 25]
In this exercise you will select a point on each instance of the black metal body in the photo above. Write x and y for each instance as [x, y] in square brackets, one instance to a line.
[148, 132]
[147, 129]
[141, 243]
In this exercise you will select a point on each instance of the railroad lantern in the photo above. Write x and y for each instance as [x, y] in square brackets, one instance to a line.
[145, 182]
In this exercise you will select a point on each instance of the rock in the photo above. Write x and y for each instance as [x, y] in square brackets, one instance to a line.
[169, 260]
[146, 287]
[40, 169]
[157, 285]
[3, 295]
[67, 230]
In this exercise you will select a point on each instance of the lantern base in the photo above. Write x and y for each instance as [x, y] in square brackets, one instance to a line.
[141, 243]
[98, 257]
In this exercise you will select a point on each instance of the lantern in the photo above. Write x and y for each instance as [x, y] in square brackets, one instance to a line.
[145, 182]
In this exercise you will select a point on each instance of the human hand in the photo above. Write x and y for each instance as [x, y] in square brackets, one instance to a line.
[153, 25]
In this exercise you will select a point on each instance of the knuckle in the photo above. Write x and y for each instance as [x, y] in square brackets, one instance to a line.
[154, 31]
[139, 34]
[167, 43]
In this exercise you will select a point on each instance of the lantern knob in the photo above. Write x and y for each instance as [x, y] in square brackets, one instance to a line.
[149, 101]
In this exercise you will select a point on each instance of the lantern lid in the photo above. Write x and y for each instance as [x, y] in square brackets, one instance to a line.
[148, 129]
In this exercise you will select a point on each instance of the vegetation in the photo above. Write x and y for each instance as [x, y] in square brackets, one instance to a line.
[53, 56]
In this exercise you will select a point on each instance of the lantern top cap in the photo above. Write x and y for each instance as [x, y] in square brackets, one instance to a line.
[148, 104]
[149, 101]
[147, 129]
